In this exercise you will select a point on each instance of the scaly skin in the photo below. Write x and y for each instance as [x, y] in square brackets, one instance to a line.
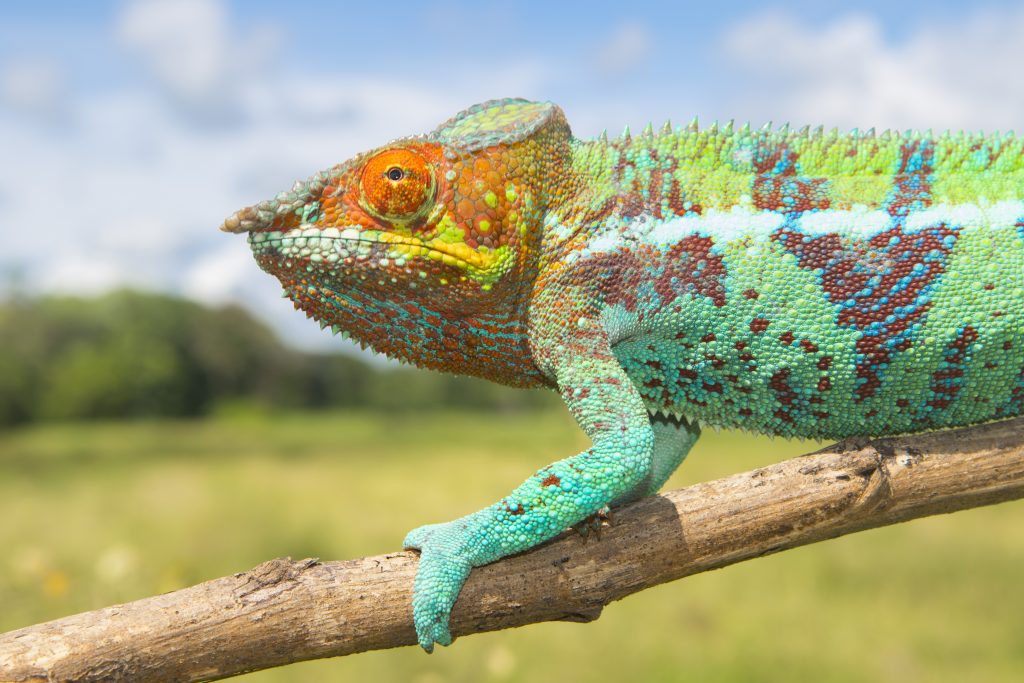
[793, 283]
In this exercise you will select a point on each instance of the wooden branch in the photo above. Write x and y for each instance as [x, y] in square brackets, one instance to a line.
[284, 611]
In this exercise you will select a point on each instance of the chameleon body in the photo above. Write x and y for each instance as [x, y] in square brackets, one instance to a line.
[799, 283]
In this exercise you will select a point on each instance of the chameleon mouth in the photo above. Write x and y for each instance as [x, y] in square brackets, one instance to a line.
[313, 244]
[332, 245]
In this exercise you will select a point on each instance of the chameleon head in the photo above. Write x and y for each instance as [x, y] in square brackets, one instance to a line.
[439, 227]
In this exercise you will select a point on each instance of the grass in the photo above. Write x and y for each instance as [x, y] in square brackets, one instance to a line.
[96, 514]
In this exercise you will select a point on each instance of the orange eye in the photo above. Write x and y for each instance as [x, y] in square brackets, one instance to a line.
[398, 184]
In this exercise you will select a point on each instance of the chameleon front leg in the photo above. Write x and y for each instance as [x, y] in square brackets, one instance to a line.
[609, 409]
[673, 440]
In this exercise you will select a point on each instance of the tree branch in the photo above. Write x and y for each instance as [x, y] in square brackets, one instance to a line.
[283, 611]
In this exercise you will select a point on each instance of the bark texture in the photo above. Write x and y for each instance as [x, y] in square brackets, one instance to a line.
[285, 611]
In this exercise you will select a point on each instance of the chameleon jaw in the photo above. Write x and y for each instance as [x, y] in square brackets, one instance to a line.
[332, 245]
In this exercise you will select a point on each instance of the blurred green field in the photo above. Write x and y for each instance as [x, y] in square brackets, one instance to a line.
[102, 513]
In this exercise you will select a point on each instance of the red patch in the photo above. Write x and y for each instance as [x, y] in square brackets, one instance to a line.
[674, 199]
[784, 416]
[691, 267]
[791, 194]
[759, 325]
[912, 181]
[893, 265]
[716, 362]
[779, 383]
[946, 382]
[777, 187]
[688, 267]
[551, 480]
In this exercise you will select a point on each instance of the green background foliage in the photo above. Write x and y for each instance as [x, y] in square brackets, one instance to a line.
[133, 354]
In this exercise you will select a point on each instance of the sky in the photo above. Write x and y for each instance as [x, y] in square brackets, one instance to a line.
[129, 130]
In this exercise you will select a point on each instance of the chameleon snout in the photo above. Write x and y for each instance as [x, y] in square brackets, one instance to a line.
[289, 209]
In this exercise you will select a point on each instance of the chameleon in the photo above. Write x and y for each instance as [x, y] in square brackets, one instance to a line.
[802, 283]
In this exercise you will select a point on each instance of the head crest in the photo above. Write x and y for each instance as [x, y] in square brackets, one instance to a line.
[497, 122]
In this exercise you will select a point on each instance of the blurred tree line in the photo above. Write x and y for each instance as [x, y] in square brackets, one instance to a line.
[132, 354]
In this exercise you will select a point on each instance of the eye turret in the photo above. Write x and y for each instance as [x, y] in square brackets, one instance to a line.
[398, 185]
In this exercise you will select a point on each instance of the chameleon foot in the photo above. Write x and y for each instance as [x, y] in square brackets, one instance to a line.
[444, 567]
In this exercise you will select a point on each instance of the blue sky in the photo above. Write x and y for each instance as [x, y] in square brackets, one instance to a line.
[130, 129]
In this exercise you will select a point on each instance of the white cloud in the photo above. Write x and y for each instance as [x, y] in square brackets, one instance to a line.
[183, 41]
[958, 75]
[628, 47]
[34, 87]
[222, 274]
[89, 276]
[194, 53]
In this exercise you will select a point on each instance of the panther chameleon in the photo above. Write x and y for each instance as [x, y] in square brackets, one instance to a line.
[791, 282]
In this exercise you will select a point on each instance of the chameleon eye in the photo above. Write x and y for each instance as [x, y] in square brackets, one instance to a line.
[397, 184]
